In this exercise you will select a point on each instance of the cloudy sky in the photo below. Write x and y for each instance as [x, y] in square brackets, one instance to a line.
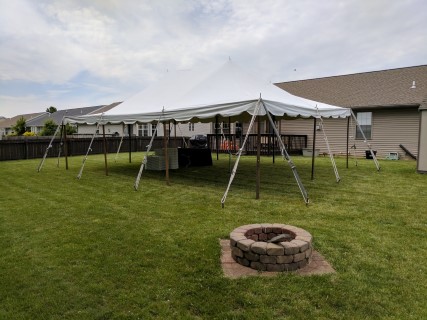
[78, 53]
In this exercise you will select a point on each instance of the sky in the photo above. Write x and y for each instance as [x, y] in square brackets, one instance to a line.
[80, 53]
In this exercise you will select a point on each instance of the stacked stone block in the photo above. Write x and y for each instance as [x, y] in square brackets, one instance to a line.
[250, 247]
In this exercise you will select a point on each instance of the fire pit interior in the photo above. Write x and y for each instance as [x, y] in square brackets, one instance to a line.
[271, 247]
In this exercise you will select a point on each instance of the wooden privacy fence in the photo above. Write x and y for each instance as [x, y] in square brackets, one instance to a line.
[35, 147]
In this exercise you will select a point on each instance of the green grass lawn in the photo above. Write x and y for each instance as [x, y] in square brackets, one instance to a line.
[96, 249]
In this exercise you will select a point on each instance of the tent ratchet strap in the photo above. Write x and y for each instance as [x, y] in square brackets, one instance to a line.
[286, 157]
[47, 149]
[144, 160]
[366, 141]
[331, 156]
[88, 150]
[239, 153]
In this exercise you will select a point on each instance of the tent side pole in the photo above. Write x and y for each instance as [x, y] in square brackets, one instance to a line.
[165, 146]
[274, 120]
[258, 158]
[314, 149]
[105, 149]
[216, 138]
[130, 143]
[174, 129]
[348, 133]
[65, 146]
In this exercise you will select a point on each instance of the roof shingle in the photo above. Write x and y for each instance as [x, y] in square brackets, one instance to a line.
[378, 88]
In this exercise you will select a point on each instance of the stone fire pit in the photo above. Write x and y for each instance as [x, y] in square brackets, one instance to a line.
[271, 247]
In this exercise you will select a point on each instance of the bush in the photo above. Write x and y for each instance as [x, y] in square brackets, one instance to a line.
[29, 134]
[49, 128]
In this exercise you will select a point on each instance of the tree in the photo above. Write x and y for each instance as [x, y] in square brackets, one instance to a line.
[51, 109]
[20, 127]
[49, 128]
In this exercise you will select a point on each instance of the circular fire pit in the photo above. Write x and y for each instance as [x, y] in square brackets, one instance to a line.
[271, 247]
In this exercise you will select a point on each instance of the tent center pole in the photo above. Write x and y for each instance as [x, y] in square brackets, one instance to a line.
[314, 149]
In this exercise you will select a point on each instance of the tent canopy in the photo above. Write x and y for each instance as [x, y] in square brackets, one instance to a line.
[202, 95]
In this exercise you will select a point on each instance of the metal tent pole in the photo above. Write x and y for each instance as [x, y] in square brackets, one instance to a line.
[366, 141]
[130, 142]
[165, 153]
[105, 149]
[48, 147]
[65, 147]
[258, 159]
[314, 149]
[348, 133]
[87, 152]
[286, 157]
[239, 153]
[144, 160]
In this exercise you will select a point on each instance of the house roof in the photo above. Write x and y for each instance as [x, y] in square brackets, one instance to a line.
[58, 115]
[10, 122]
[385, 88]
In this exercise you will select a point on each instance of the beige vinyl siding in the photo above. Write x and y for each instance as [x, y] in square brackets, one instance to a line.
[336, 132]
[389, 129]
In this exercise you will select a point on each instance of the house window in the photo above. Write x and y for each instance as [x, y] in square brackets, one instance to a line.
[153, 130]
[143, 130]
[224, 125]
[190, 126]
[239, 128]
[365, 122]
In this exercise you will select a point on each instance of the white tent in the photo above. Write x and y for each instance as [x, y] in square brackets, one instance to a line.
[201, 95]
[213, 94]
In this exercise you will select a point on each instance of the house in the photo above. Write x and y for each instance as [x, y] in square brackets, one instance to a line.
[7, 124]
[386, 103]
[144, 129]
[36, 124]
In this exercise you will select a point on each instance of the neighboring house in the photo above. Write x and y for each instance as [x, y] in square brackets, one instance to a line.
[36, 124]
[386, 104]
[7, 124]
[148, 129]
